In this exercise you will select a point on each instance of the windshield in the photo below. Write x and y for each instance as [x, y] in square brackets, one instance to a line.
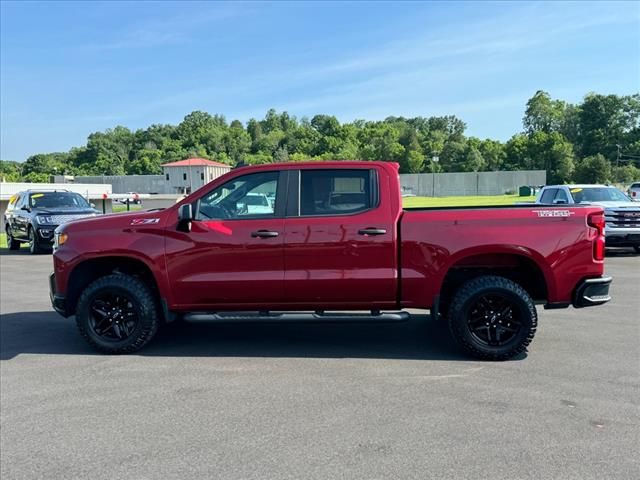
[58, 200]
[598, 194]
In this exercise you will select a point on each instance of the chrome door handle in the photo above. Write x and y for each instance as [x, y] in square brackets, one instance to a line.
[372, 231]
[264, 234]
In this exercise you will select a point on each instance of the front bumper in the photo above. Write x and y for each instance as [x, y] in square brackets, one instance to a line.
[622, 239]
[591, 292]
[45, 234]
[58, 302]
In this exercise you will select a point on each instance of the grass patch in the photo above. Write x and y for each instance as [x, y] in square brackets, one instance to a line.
[119, 208]
[3, 242]
[466, 201]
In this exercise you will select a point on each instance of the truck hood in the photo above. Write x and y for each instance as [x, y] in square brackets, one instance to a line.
[65, 211]
[633, 205]
[117, 221]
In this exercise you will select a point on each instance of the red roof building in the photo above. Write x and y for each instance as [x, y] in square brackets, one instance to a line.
[194, 162]
[185, 176]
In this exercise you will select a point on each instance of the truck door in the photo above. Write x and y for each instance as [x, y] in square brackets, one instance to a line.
[233, 255]
[340, 240]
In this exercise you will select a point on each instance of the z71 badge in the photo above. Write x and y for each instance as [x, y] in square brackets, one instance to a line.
[554, 213]
[144, 221]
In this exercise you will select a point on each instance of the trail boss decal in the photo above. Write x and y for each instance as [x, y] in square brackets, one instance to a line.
[554, 213]
[144, 221]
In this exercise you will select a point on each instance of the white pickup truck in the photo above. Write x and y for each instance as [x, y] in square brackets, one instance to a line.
[622, 215]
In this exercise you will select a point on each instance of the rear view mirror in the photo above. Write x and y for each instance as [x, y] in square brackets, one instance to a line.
[185, 217]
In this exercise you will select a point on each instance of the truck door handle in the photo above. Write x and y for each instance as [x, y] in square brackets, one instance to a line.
[372, 231]
[264, 234]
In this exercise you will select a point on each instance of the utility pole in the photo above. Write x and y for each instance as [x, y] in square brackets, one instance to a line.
[435, 160]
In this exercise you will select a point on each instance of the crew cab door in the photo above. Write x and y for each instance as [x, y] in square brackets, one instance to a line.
[340, 243]
[233, 255]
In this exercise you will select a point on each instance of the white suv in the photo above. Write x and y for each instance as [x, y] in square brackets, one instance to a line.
[622, 215]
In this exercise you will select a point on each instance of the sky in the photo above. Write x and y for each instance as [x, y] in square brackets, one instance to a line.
[68, 69]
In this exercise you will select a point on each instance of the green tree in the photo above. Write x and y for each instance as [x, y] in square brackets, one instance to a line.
[9, 171]
[593, 169]
[237, 141]
[625, 174]
[543, 114]
[493, 153]
[607, 121]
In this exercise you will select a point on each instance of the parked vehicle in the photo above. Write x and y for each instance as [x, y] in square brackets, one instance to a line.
[133, 199]
[338, 240]
[634, 191]
[256, 204]
[622, 215]
[33, 215]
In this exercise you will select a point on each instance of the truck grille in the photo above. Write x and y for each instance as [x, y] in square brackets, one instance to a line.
[60, 219]
[624, 218]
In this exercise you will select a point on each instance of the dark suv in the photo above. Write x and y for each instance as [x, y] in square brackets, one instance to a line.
[33, 215]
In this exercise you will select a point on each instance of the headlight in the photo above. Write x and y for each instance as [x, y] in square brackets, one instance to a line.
[44, 219]
[60, 238]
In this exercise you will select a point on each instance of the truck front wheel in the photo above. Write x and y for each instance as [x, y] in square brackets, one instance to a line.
[492, 318]
[117, 314]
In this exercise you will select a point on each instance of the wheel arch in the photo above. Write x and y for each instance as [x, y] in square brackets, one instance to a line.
[519, 265]
[91, 269]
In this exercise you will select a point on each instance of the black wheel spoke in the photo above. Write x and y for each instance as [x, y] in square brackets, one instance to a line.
[113, 316]
[493, 319]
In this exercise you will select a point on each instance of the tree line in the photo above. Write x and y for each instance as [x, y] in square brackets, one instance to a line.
[595, 141]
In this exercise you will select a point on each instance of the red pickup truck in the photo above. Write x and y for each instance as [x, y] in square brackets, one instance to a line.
[304, 241]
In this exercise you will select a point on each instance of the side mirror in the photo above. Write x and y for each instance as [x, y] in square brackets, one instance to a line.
[560, 201]
[93, 205]
[26, 208]
[185, 217]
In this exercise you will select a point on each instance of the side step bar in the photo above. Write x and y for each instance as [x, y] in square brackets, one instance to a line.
[276, 317]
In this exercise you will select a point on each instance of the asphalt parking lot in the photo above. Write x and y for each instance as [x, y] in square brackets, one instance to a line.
[318, 401]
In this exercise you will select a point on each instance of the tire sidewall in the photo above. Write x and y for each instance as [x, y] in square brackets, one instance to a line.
[12, 243]
[460, 308]
[518, 302]
[33, 241]
[142, 303]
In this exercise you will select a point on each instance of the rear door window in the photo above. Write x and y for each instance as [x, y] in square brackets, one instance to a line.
[561, 196]
[548, 196]
[335, 192]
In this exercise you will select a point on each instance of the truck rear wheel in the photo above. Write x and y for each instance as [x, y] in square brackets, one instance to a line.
[492, 318]
[117, 314]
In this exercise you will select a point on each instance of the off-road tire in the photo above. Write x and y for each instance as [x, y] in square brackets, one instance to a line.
[12, 243]
[460, 309]
[144, 303]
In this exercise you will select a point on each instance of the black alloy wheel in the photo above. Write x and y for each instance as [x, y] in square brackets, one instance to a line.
[494, 319]
[112, 316]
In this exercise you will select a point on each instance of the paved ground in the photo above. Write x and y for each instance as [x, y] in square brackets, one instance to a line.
[309, 401]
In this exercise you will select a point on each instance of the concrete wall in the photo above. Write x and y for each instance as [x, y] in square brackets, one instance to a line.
[469, 183]
[130, 183]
